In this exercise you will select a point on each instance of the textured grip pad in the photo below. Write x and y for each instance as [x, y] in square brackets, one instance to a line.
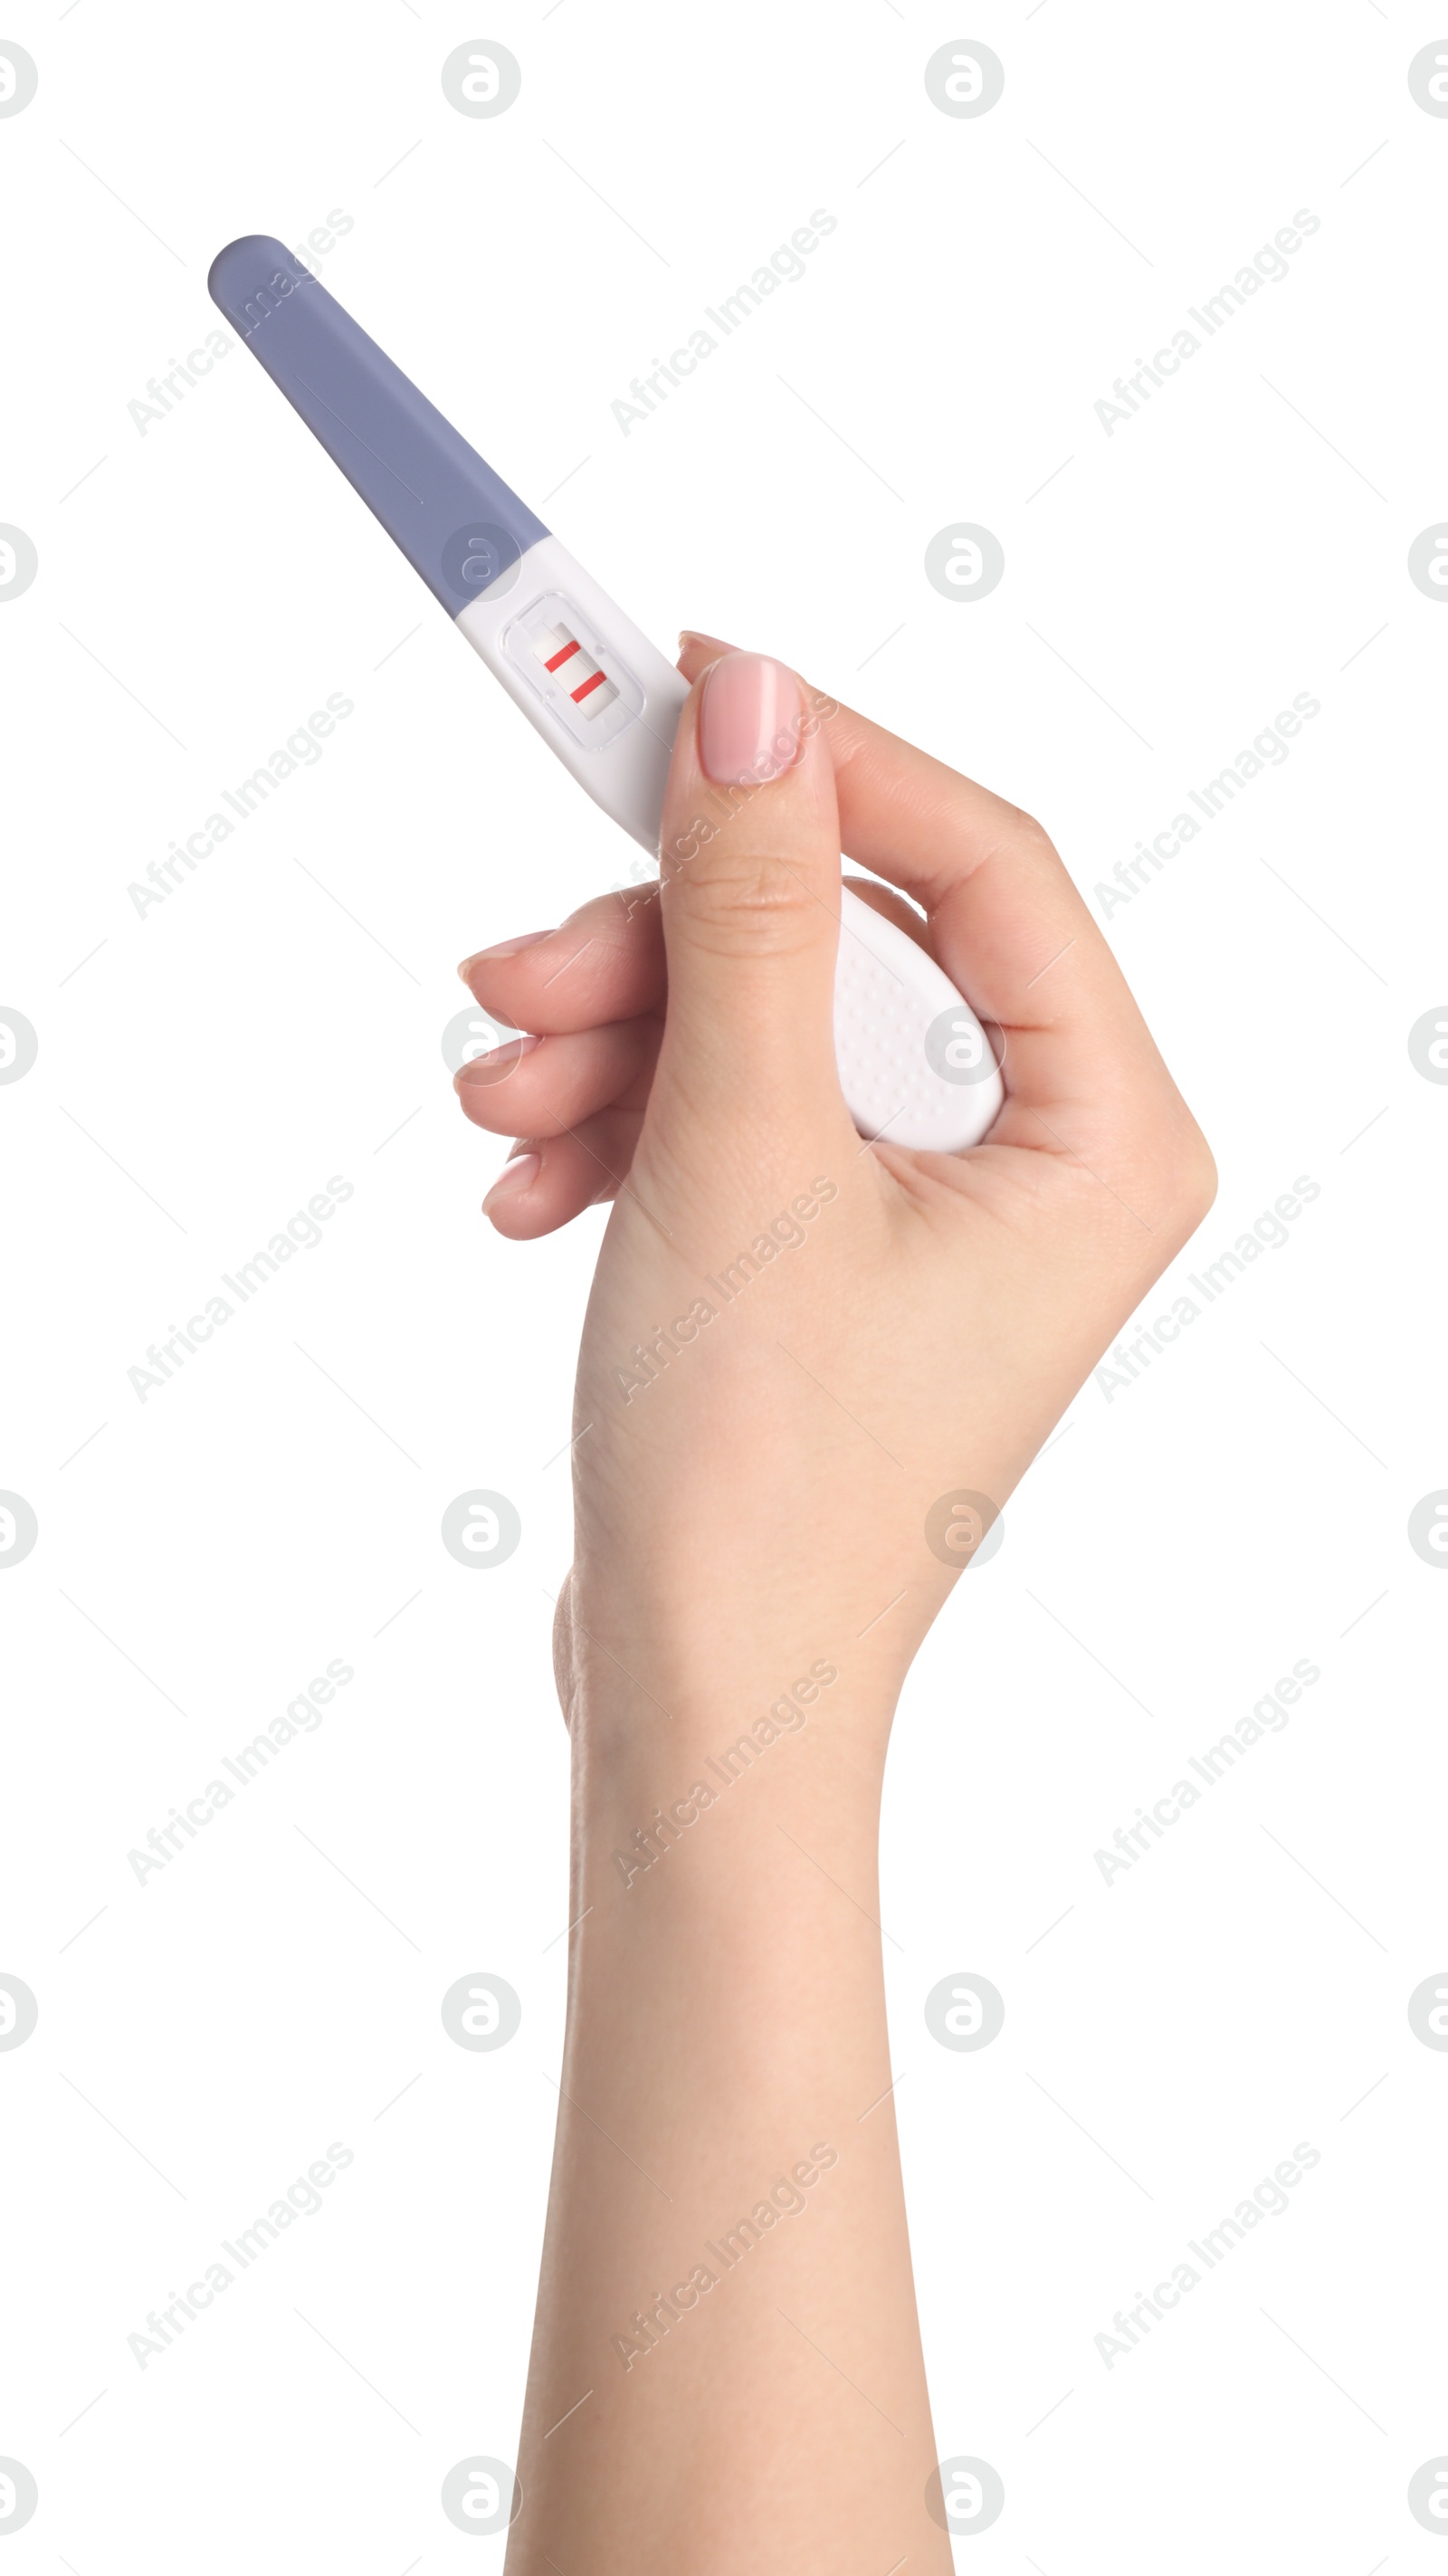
[915, 1065]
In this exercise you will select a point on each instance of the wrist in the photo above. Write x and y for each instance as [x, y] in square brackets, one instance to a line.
[668, 1721]
[701, 1796]
[637, 1675]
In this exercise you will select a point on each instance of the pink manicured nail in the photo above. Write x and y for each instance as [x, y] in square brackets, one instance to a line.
[493, 1063]
[748, 720]
[514, 1176]
[504, 948]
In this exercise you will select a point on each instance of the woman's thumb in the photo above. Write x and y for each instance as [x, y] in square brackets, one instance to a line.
[749, 861]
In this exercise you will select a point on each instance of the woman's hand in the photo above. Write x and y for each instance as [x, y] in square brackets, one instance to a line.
[811, 1372]
[799, 1346]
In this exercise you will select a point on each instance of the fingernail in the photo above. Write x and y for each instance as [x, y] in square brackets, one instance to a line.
[503, 948]
[492, 1063]
[748, 720]
[517, 1175]
[713, 643]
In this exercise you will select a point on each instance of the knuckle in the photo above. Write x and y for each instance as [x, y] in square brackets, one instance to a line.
[1024, 832]
[1027, 828]
[1185, 1177]
[1196, 1178]
[749, 904]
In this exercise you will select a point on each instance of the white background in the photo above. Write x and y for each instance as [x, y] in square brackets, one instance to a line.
[204, 583]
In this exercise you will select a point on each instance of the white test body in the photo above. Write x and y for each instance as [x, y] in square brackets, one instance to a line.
[889, 996]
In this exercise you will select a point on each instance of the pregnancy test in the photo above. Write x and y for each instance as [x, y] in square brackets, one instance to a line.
[915, 1064]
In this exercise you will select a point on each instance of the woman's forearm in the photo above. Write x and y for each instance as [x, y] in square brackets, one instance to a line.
[727, 2351]
[784, 1459]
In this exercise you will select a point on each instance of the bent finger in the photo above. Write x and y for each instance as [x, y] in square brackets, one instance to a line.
[543, 1086]
[547, 1181]
[605, 962]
